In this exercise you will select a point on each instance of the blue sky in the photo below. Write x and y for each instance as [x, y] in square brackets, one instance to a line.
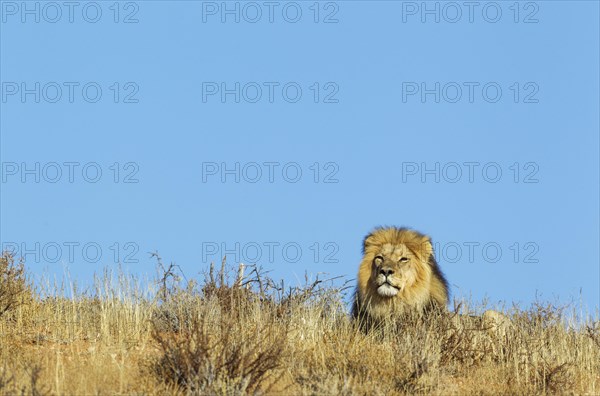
[281, 133]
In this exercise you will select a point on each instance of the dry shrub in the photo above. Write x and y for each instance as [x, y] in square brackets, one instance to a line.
[14, 289]
[219, 355]
[232, 341]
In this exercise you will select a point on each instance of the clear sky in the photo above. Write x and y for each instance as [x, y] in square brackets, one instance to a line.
[282, 132]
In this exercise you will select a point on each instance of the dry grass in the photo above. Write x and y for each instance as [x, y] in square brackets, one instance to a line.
[251, 335]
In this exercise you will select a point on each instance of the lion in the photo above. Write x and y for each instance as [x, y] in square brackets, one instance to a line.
[398, 275]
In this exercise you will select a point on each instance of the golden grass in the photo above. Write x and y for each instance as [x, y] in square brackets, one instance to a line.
[254, 336]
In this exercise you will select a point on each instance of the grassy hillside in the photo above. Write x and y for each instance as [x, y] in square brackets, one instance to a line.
[251, 335]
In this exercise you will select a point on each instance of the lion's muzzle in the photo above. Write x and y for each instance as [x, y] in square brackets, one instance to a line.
[385, 285]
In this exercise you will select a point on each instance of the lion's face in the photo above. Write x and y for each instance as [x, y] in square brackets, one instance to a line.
[398, 273]
[393, 269]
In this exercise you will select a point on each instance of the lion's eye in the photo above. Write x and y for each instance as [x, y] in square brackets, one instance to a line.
[403, 259]
[378, 260]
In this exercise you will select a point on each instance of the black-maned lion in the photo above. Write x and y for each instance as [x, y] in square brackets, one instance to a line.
[398, 275]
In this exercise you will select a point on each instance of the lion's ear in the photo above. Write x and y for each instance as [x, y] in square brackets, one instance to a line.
[425, 247]
[369, 239]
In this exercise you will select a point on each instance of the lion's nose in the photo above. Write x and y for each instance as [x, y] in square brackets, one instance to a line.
[386, 271]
